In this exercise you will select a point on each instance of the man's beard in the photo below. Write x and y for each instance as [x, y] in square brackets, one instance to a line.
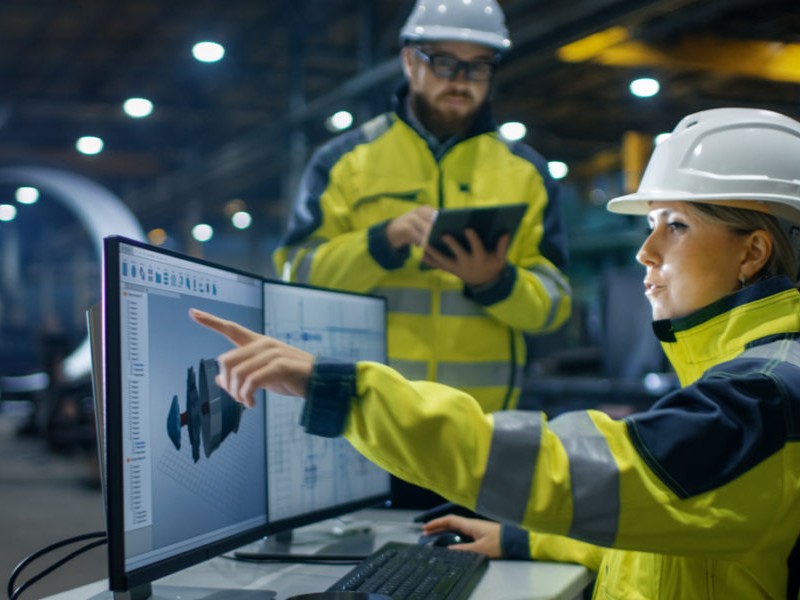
[442, 124]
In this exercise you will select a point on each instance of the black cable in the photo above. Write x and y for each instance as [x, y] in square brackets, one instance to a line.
[13, 594]
[55, 566]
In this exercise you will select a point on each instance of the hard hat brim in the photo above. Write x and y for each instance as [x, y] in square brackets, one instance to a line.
[438, 33]
[783, 207]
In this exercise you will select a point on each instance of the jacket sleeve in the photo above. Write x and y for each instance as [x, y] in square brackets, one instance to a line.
[579, 475]
[518, 543]
[533, 294]
[321, 246]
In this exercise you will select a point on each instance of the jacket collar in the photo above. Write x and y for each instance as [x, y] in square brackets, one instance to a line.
[723, 329]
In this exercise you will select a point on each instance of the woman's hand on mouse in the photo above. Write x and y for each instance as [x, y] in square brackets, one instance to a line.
[486, 534]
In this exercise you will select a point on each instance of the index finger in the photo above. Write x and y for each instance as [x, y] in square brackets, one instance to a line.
[502, 245]
[236, 333]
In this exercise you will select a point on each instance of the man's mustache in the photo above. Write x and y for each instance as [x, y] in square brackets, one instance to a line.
[457, 94]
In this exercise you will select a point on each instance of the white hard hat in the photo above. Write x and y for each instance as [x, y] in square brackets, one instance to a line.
[477, 21]
[741, 157]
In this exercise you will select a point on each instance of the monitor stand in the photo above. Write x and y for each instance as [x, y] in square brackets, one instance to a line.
[170, 592]
[289, 545]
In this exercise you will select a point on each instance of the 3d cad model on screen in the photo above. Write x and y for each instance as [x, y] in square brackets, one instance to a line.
[211, 414]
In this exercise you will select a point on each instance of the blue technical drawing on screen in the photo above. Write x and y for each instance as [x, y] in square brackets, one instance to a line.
[307, 473]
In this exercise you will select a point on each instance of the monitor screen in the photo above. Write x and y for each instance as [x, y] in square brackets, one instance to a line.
[189, 472]
[309, 475]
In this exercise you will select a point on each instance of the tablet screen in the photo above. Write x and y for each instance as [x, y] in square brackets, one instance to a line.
[489, 222]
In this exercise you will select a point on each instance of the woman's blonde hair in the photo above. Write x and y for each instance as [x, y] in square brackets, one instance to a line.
[783, 260]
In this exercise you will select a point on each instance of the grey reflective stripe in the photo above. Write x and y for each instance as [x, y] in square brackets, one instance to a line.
[506, 486]
[406, 300]
[410, 369]
[556, 286]
[454, 304]
[376, 127]
[302, 271]
[786, 350]
[594, 477]
[474, 374]
[461, 374]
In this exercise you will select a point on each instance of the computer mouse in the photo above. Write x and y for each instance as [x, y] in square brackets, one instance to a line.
[445, 538]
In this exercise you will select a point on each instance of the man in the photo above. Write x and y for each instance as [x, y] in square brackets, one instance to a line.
[368, 197]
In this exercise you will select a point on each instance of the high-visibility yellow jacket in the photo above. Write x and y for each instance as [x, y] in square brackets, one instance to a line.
[438, 329]
[696, 497]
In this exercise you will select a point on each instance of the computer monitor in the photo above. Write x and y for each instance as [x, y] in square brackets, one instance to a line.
[189, 473]
[310, 477]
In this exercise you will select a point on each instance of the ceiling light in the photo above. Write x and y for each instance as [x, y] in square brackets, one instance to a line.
[137, 107]
[27, 195]
[8, 212]
[644, 87]
[558, 169]
[157, 236]
[339, 121]
[208, 52]
[202, 232]
[513, 130]
[89, 144]
[242, 219]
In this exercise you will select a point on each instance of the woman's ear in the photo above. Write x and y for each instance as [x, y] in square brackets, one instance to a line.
[757, 253]
[405, 58]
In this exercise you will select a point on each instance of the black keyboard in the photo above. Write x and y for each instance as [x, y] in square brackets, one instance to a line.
[411, 571]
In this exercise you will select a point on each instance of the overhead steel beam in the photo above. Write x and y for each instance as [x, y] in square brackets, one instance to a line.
[547, 26]
[775, 61]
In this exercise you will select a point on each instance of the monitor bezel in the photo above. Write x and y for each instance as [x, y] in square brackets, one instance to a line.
[121, 579]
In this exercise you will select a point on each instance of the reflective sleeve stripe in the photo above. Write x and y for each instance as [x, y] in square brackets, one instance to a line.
[556, 286]
[506, 486]
[302, 271]
[594, 478]
[406, 300]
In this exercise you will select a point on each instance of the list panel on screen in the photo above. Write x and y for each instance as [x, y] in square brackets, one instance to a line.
[194, 466]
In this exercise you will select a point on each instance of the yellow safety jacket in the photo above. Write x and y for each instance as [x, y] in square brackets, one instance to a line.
[438, 329]
[696, 497]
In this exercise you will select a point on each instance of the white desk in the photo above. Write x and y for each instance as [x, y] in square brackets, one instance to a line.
[504, 580]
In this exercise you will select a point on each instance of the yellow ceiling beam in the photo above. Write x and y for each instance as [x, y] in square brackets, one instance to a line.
[602, 162]
[776, 61]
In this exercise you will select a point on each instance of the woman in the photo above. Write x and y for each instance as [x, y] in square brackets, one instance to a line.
[693, 498]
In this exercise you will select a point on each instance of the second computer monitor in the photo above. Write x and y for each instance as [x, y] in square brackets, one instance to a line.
[309, 476]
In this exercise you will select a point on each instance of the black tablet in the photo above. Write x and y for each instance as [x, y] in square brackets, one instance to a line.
[489, 222]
